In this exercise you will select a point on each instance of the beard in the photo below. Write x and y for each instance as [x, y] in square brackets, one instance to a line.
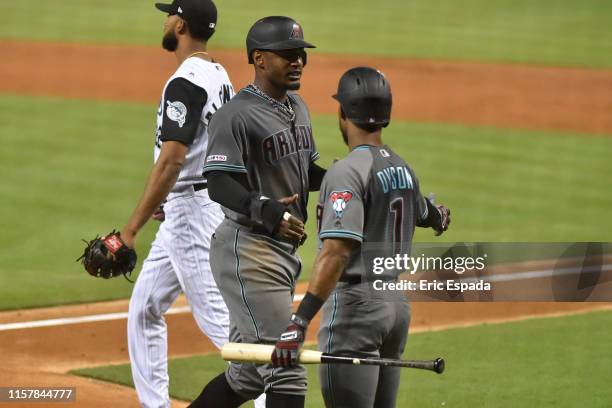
[293, 86]
[170, 42]
[344, 136]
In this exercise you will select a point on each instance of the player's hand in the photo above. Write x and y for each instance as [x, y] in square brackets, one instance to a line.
[445, 219]
[291, 227]
[289, 200]
[287, 349]
[159, 214]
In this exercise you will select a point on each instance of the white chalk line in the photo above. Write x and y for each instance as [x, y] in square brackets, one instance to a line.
[544, 273]
[504, 277]
[94, 318]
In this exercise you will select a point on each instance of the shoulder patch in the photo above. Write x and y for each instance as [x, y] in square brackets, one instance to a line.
[177, 112]
[340, 200]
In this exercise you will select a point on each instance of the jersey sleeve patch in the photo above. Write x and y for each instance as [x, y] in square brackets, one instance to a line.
[182, 110]
[177, 112]
[339, 200]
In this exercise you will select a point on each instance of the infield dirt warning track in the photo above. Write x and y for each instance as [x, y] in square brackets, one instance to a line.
[513, 96]
[42, 356]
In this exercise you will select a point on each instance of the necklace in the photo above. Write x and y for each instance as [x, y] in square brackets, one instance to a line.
[196, 53]
[285, 107]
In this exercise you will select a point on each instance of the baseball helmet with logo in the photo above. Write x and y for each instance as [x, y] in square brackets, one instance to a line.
[275, 33]
[365, 96]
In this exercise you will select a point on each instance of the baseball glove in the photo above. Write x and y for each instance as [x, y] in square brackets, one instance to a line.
[108, 256]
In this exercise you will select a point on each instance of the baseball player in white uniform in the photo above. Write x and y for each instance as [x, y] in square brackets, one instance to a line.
[179, 257]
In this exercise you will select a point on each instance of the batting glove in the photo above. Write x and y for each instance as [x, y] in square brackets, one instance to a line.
[287, 349]
[444, 219]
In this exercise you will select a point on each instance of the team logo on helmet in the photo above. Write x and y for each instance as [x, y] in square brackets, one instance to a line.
[176, 112]
[340, 200]
[297, 32]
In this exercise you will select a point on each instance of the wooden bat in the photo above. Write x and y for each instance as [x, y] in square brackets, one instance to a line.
[261, 353]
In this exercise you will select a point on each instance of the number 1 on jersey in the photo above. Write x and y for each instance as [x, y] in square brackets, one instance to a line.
[396, 207]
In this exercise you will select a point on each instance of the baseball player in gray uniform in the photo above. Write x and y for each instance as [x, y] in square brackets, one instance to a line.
[260, 168]
[369, 205]
[179, 256]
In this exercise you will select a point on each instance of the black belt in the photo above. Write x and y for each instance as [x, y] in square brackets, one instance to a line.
[200, 186]
[260, 230]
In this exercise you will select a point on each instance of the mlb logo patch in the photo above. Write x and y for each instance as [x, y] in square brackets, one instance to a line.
[340, 200]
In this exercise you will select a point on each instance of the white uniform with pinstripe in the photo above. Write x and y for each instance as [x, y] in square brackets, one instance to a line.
[179, 257]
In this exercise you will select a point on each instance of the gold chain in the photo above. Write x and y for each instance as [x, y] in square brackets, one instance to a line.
[196, 53]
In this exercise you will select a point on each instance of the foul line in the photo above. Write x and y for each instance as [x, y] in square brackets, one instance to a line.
[544, 273]
[94, 318]
[505, 277]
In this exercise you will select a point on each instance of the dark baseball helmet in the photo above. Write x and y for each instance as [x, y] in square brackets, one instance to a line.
[275, 33]
[365, 96]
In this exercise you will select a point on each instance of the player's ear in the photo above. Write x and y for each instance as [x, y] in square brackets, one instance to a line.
[258, 59]
[181, 27]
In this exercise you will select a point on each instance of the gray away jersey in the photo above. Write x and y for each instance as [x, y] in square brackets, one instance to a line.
[371, 196]
[190, 98]
[251, 135]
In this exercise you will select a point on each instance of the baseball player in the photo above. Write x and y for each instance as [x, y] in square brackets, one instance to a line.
[260, 168]
[179, 256]
[368, 207]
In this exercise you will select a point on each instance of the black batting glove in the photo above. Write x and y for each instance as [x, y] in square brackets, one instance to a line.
[287, 349]
[438, 216]
[444, 220]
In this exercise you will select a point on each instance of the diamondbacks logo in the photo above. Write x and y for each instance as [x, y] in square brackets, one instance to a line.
[297, 32]
[176, 112]
[340, 200]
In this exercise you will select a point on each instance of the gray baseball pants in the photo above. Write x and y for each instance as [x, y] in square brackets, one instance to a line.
[355, 323]
[256, 276]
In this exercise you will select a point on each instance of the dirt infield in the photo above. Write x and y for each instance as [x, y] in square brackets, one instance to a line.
[514, 96]
[43, 356]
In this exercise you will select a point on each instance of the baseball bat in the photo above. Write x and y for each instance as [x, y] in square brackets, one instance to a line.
[261, 353]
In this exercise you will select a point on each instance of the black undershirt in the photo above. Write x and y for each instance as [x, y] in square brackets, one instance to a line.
[232, 190]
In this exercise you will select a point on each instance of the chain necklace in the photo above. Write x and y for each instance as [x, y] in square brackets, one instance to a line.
[285, 107]
[196, 53]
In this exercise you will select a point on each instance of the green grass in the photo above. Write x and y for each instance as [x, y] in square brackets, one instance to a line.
[551, 362]
[559, 32]
[72, 169]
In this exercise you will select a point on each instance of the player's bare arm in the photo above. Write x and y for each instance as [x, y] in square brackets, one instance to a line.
[328, 267]
[161, 180]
